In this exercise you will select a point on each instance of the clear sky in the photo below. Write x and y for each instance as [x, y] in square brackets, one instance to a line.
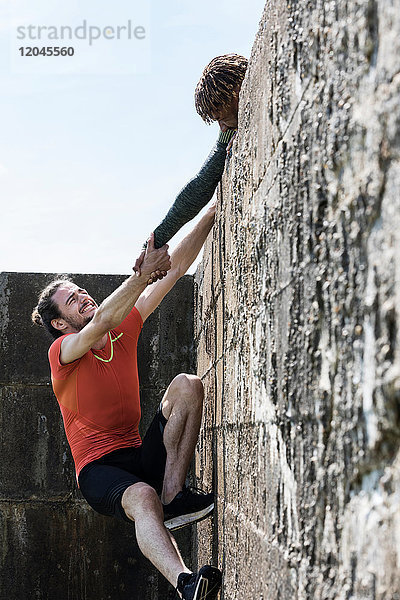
[91, 161]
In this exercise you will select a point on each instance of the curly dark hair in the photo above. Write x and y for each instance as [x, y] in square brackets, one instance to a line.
[218, 84]
[47, 310]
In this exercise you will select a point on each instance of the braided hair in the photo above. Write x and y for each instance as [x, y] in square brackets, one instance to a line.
[219, 84]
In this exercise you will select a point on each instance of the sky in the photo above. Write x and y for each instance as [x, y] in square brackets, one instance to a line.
[95, 147]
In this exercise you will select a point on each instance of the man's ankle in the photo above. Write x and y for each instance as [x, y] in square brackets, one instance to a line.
[167, 497]
[181, 579]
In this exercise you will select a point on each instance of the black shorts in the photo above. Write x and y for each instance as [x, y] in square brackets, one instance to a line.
[103, 481]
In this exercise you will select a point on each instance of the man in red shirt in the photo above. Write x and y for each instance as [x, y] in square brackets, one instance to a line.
[94, 370]
[94, 374]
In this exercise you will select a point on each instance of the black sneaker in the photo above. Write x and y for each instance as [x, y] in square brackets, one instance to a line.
[189, 506]
[203, 585]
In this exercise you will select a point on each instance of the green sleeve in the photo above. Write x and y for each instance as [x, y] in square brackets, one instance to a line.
[197, 193]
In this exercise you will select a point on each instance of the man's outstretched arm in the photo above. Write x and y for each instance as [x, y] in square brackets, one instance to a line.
[113, 310]
[194, 195]
[181, 259]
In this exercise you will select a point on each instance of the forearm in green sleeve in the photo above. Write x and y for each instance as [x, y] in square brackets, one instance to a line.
[196, 194]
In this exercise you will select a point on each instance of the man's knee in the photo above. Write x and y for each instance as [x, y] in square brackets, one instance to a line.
[140, 498]
[191, 385]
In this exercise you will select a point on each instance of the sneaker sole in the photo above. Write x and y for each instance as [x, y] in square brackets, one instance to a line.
[183, 520]
[208, 588]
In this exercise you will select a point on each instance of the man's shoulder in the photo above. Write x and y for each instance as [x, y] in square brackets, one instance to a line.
[54, 356]
[55, 346]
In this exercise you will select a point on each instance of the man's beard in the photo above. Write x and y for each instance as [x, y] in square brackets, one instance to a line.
[78, 325]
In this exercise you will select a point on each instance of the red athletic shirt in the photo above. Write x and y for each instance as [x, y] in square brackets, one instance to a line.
[98, 394]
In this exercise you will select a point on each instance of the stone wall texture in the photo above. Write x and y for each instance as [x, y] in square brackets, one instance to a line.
[53, 546]
[297, 313]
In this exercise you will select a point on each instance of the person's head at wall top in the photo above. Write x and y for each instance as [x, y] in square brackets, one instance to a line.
[217, 93]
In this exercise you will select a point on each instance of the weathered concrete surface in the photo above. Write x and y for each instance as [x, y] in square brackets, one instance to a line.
[52, 544]
[298, 310]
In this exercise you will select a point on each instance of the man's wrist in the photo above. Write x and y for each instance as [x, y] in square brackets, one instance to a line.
[226, 136]
[142, 279]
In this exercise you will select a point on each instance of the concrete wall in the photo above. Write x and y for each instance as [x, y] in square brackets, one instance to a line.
[52, 544]
[297, 313]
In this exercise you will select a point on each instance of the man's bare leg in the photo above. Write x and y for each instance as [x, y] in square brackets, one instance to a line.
[182, 405]
[142, 504]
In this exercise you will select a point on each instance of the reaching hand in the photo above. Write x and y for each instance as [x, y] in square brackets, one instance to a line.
[138, 263]
[153, 263]
[212, 208]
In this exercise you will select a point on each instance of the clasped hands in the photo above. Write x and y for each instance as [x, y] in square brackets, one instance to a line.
[153, 263]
